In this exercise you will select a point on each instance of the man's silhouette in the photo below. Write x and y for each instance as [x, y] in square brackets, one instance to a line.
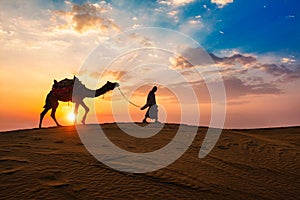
[151, 103]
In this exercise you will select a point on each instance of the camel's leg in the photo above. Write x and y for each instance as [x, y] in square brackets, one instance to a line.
[42, 116]
[76, 111]
[51, 103]
[55, 105]
[53, 116]
[86, 111]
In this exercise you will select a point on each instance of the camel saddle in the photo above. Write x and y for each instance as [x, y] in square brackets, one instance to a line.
[63, 89]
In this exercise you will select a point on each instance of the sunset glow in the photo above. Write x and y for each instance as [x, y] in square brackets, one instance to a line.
[71, 117]
[257, 57]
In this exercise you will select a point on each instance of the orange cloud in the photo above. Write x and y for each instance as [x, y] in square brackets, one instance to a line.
[116, 75]
[179, 63]
[83, 18]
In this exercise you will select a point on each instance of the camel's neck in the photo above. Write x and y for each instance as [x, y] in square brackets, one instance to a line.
[81, 92]
[102, 90]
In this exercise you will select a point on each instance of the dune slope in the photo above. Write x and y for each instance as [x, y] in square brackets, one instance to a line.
[52, 163]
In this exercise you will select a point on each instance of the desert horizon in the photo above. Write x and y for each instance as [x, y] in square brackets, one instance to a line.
[163, 123]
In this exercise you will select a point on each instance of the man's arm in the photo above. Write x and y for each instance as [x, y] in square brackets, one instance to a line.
[144, 107]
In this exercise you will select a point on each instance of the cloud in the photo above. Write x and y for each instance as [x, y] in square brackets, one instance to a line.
[286, 73]
[83, 18]
[237, 64]
[243, 74]
[115, 75]
[290, 16]
[276, 70]
[175, 3]
[179, 63]
[286, 70]
[140, 39]
[190, 57]
[288, 60]
[221, 3]
[173, 13]
[232, 60]
[194, 21]
[236, 87]
[198, 57]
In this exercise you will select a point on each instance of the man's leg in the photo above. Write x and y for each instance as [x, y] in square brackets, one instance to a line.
[145, 121]
[146, 116]
[153, 113]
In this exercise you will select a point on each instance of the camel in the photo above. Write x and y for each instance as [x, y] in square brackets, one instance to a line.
[74, 91]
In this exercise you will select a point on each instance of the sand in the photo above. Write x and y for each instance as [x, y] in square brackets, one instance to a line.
[52, 163]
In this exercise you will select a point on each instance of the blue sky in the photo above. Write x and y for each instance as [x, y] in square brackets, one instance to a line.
[260, 26]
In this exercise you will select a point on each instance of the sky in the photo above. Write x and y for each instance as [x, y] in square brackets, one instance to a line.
[250, 47]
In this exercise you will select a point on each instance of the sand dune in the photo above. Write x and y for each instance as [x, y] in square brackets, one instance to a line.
[52, 163]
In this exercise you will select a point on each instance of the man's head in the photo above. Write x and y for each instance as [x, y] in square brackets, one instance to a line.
[154, 89]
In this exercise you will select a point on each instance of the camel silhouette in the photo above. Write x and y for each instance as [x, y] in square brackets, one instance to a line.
[74, 92]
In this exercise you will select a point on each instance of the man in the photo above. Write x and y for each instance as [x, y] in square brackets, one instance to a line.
[151, 103]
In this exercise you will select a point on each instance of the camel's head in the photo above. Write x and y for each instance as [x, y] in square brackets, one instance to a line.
[54, 84]
[110, 86]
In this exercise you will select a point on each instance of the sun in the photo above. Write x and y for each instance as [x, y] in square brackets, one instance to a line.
[71, 117]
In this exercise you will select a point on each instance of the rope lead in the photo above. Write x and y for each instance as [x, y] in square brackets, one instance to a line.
[128, 99]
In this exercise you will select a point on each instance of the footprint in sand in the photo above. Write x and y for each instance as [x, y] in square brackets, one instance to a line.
[57, 184]
[52, 181]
